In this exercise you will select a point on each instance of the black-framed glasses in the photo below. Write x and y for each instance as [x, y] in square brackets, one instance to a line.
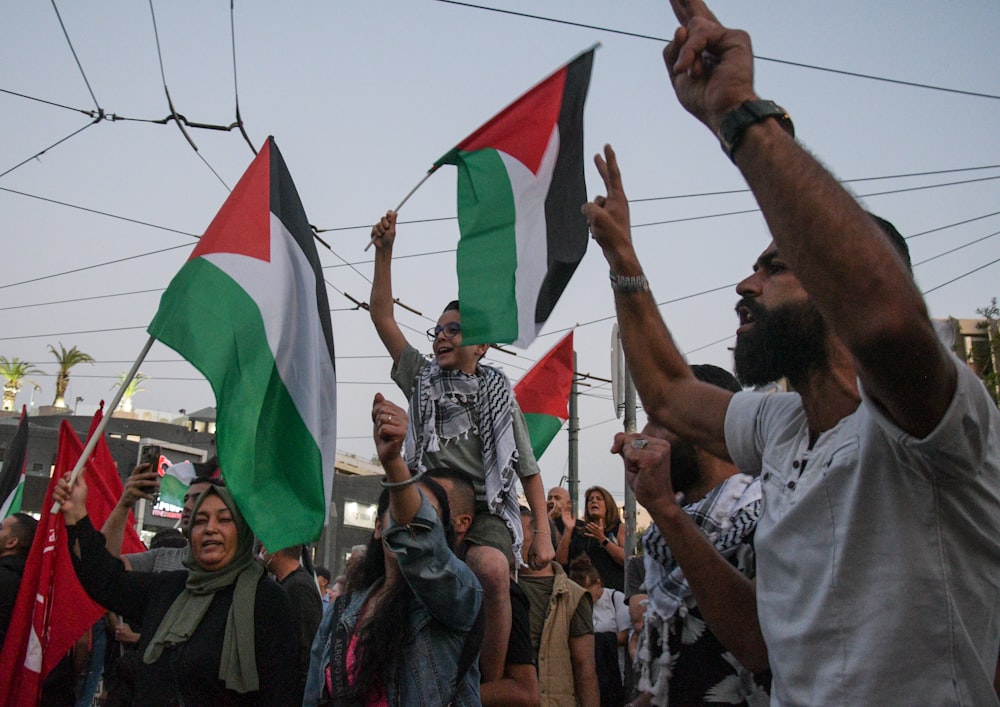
[450, 331]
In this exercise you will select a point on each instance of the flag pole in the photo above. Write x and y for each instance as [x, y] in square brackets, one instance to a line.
[405, 199]
[92, 442]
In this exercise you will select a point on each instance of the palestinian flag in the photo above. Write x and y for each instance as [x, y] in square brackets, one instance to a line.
[14, 465]
[174, 481]
[249, 310]
[543, 394]
[520, 189]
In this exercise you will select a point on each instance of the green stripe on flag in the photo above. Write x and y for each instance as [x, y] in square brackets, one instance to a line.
[487, 252]
[266, 453]
[542, 429]
[15, 499]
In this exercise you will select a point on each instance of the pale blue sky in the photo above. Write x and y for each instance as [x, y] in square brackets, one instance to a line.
[362, 96]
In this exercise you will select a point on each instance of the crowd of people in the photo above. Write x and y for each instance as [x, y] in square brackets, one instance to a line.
[835, 544]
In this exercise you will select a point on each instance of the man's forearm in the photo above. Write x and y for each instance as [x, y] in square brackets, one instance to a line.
[581, 650]
[114, 529]
[562, 551]
[517, 688]
[663, 378]
[534, 494]
[727, 600]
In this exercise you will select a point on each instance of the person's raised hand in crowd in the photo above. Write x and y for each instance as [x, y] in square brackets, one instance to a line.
[390, 422]
[647, 471]
[594, 529]
[143, 482]
[710, 66]
[608, 217]
[72, 500]
[569, 520]
[384, 232]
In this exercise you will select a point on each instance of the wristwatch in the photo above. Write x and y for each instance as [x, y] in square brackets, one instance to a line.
[604, 542]
[736, 122]
[629, 284]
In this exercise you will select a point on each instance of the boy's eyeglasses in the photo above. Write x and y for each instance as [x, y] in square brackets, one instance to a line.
[450, 331]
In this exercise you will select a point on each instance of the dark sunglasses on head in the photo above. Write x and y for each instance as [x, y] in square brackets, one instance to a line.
[450, 331]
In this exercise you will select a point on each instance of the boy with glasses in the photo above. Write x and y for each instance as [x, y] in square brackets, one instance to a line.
[463, 415]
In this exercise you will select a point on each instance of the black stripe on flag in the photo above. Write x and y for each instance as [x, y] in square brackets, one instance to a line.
[286, 205]
[567, 227]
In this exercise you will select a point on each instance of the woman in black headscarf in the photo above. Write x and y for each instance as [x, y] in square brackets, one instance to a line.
[218, 633]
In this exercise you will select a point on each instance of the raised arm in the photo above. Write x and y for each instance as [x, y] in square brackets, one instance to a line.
[562, 549]
[670, 394]
[141, 483]
[726, 599]
[381, 302]
[390, 430]
[847, 265]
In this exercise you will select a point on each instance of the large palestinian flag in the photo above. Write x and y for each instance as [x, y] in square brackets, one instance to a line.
[249, 310]
[520, 189]
[543, 394]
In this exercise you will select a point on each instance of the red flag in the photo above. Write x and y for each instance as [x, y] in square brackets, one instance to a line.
[543, 394]
[52, 609]
[105, 488]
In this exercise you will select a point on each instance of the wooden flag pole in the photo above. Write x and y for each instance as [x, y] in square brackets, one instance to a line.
[92, 442]
[405, 199]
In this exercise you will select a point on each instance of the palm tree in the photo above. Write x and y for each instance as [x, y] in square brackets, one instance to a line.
[13, 371]
[134, 386]
[66, 360]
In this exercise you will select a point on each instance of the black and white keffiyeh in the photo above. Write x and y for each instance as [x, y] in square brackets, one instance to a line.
[728, 516]
[448, 405]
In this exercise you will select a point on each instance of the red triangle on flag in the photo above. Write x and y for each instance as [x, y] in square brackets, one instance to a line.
[243, 224]
[545, 389]
[522, 129]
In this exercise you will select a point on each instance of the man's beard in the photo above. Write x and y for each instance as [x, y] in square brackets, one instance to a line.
[787, 341]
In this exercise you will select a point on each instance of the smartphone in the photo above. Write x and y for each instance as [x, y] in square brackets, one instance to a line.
[150, 454]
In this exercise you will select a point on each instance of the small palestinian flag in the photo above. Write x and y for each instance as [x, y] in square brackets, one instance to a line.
[520, 189]
[174, 481]
[543, 394]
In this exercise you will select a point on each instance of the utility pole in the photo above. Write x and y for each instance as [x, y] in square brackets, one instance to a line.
[573, 480]
[629, 424]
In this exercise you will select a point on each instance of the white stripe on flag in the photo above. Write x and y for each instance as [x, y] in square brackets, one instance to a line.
[298, 327]
[531, 234]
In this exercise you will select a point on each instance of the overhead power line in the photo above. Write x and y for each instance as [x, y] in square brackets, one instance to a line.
[93, 267]
[43, 151]
[758, 57]
[75, 57]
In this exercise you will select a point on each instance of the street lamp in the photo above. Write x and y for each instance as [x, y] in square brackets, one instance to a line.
[78, 401]
[31, 402]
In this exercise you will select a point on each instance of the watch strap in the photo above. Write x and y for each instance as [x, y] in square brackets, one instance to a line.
[735, 122]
